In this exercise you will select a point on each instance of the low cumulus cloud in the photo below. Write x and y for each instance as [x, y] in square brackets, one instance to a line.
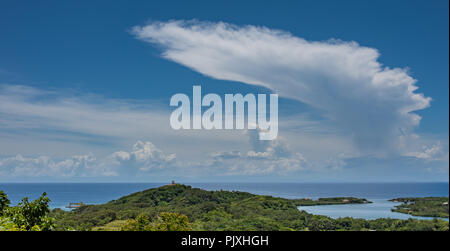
[372, 103]
[143, 158]
[435, 152]
[45, 166]
[146, 159]
[265, 157]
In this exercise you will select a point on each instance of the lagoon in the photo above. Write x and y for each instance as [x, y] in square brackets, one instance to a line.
[380, 208]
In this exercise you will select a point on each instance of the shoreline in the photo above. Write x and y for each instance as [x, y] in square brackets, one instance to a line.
[346, 210]
[62, 194]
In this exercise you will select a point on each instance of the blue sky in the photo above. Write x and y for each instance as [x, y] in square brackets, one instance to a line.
[80, 88]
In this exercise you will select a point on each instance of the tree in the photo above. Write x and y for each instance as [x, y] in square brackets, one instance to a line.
[164, 222]
[32, 215]
[172, 222]
[4, 202]
[141, 223]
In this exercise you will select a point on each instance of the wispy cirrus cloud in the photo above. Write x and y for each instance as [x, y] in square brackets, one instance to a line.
[35, 120]
[371, 103]
[31, 118]
[24, 107]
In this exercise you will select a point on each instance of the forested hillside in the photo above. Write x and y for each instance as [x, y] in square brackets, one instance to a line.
[180, 207]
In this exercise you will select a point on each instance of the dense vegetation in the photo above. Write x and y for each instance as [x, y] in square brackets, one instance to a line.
[428, 206]
[180, 207]
[27, 216]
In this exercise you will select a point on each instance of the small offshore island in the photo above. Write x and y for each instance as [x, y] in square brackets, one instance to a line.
[426, 207]
[177, 207]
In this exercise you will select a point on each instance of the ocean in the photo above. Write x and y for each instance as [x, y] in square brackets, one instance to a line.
[61, 194]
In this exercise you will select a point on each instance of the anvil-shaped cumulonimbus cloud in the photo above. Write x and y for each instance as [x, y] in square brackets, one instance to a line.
[372, 103]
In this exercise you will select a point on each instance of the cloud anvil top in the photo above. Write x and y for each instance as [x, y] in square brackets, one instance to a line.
[342, 79]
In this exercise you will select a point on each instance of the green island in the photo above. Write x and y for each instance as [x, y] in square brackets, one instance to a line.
[180, 207]
[426, 207]
[330, 201]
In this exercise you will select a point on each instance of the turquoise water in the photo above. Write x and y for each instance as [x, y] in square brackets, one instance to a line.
[380, 208]
[61, 194]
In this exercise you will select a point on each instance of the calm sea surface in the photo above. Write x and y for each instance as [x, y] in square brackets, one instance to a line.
[62, 194]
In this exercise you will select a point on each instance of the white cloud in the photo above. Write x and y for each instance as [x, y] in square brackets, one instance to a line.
[145, 157]
[265, 157]
[435, 152]
[23, 107]
[63, 123]
[44, 166]
[59, 124]
[371, 103]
